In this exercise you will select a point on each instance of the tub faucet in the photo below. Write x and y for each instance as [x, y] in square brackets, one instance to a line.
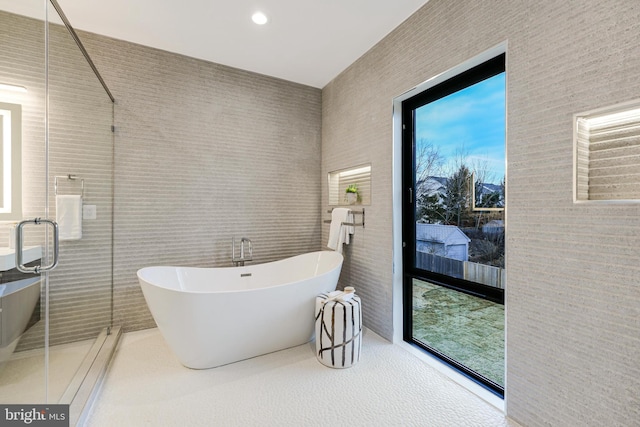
[240, 261]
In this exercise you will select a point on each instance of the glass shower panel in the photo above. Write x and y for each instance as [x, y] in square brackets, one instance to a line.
[23, 299]
[67, 178]
[80, 199]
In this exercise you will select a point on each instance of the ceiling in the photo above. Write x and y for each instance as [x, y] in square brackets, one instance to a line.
[305, 41]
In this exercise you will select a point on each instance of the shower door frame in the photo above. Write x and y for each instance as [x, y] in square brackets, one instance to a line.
[82, 389]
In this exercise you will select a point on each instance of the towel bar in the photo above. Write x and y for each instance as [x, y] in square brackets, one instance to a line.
[70, 178]
[328, 221]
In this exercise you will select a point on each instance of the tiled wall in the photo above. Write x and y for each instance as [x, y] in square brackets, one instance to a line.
[573, 284]
[203, 153]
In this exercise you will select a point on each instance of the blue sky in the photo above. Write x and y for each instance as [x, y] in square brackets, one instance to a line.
[470, 121]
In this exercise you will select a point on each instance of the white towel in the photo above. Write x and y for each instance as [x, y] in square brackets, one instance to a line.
[69, 217]
[340, 234]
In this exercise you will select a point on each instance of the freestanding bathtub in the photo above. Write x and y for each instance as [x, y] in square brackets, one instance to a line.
[215, 316]
[18, 312]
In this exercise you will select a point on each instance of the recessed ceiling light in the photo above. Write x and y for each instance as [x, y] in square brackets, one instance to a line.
[259, 18]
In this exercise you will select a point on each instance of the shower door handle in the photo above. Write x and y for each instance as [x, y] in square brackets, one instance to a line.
[38, 268]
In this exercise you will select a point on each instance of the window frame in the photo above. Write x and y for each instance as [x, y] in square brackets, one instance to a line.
[441, 87]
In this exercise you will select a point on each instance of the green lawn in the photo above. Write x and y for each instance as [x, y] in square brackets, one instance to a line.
[466, 328]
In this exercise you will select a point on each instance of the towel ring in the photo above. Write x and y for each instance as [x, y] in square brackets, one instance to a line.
[69, 177]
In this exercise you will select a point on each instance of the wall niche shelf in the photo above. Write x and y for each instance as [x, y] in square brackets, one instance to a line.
[607, 154]
[339, 180]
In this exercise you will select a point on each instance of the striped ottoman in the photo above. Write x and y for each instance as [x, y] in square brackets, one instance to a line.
[338, 328]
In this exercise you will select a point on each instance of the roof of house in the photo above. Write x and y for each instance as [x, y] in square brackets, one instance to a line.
[447, 234]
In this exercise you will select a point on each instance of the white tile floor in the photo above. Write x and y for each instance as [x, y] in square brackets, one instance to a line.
[147, 386]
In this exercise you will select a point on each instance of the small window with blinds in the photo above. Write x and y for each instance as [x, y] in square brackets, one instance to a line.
[350, 186]
[607, 154]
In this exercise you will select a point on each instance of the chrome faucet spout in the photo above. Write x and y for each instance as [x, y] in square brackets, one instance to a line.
[241, 260]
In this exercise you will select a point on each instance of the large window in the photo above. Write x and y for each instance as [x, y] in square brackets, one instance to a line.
[453, 220]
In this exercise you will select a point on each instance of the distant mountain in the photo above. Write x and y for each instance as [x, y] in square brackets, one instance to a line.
[435, 183]
[491, 188]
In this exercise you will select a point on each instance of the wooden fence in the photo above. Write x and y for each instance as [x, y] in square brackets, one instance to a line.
[439, 264]
[474, 272]
[485, 274]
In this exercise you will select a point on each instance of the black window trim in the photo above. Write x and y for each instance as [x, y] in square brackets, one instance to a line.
[464, 79]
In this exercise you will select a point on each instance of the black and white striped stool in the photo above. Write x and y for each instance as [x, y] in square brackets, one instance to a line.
[338, 329]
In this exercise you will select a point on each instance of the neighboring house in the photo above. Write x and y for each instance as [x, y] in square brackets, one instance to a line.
[443, 240]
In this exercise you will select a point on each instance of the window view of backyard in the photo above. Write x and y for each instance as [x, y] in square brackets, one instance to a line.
[459, 182]
[458, 158]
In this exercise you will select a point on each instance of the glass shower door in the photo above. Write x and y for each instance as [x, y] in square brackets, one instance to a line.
[66, 180]
[23, 295]
[80, 200]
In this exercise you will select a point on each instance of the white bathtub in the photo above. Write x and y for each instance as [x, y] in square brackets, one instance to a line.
[18, 300]
[214, 316]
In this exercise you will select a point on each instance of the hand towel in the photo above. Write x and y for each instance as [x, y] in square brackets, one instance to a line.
[69, 217]
[348, 230]
[339, 234]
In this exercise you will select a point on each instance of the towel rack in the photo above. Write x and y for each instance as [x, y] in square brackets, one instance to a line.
[70, 178]
[328, 221]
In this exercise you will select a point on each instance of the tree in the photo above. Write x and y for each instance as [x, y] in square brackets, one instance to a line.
[428, 160]
[429, 209]
[428, 163]
[456, 196]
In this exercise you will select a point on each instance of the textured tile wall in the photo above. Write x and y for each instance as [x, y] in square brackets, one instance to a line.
[205, 152]
[573, 283]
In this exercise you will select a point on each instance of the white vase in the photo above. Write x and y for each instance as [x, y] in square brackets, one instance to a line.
[352, 198]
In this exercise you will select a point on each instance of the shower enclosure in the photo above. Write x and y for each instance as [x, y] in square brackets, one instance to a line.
[56, 122]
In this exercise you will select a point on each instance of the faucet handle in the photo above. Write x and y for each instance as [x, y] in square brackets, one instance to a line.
[244, 239]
